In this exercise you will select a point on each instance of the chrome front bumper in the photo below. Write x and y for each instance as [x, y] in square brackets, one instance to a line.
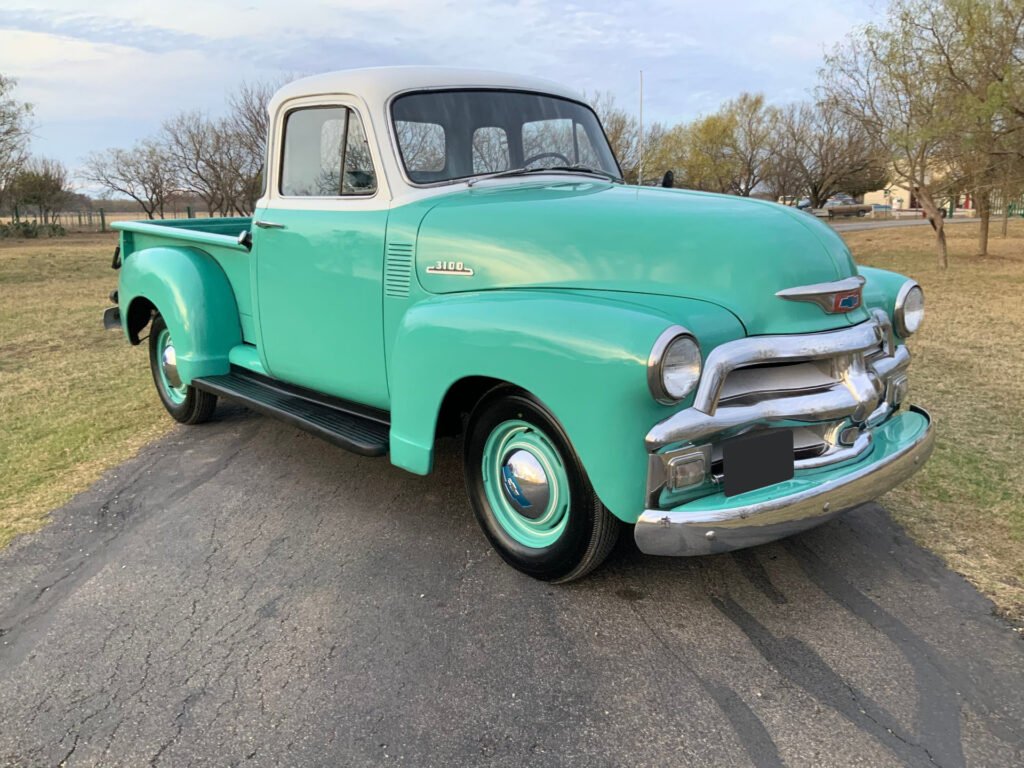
[701, 532]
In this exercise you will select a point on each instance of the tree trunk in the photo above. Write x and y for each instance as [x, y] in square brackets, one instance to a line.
[935, 219]
[983, 199]
[1006, 213]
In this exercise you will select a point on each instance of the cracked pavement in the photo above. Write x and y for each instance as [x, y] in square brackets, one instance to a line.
[242, 593]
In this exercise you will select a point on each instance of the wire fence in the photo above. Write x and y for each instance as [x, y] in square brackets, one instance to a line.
[96, 220]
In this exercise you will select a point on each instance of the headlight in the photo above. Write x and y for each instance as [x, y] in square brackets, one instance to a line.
[909, 308]
[673, 369]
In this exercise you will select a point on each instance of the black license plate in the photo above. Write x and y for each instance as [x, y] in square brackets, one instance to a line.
[756, 460]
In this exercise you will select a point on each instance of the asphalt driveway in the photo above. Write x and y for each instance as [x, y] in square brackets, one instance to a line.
[242, 593]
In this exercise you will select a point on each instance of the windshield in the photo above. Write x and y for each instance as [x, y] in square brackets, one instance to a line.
[449, 135]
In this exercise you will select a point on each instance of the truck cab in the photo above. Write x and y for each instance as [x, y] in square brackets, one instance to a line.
[442, 250]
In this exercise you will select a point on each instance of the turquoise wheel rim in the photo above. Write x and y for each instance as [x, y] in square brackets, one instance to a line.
[540, 524]
[176, 394]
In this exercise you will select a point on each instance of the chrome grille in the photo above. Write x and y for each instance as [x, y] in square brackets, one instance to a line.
[829, 389]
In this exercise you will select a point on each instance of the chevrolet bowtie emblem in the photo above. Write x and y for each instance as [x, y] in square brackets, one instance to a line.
[834, 298]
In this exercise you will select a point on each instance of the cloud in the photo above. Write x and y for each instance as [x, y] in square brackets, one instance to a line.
[122, 67]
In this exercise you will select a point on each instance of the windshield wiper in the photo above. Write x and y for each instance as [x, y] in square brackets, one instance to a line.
[499, 174]
[585, 169]
[550, 169]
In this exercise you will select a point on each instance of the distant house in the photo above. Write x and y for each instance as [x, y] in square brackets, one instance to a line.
[902, 198]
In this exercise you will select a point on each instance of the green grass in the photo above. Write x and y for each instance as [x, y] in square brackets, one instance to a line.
[76, 400]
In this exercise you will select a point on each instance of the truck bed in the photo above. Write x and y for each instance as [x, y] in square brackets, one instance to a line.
[216, 236]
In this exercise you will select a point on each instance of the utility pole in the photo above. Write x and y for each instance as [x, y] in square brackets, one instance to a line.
[640, 169]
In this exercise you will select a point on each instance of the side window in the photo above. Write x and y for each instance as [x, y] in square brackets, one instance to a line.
[326, 154]
[424, 148]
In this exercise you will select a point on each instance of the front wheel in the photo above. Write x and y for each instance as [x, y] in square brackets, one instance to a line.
[183, 401]
[530, 493]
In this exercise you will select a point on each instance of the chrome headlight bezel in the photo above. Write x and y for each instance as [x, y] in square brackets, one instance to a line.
[656, 365]
[899, 312]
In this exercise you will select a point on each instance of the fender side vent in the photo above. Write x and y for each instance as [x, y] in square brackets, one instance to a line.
[397, 269]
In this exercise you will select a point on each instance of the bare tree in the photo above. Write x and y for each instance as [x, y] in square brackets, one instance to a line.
[248, 124]
[192, 145]
[14, 133]
[621, 127]
[143, 173]
[750, 143]
[824, 151]
[221, 161]
[623, 131]
[884, 79]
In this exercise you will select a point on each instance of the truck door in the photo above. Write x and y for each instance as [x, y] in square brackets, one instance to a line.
[319, 249]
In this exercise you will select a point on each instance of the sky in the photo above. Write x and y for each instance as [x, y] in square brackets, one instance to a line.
[106, 73]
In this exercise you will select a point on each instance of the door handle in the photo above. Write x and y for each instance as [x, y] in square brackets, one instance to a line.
[268, 225]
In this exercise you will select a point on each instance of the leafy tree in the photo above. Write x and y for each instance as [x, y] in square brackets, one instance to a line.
[883, 79]
[43, 184]
[979, 51]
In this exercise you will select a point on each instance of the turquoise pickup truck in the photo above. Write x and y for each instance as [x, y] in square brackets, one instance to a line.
[443, 251]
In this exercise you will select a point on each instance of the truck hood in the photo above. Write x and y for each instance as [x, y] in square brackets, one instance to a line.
[585, 235]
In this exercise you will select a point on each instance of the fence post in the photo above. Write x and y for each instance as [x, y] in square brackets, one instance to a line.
[103, 221]
[15, 212]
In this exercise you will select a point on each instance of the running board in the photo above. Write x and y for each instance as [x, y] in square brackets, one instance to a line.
[362, 431]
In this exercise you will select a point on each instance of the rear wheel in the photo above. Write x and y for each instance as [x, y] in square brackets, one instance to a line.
[530, 493]
[183, 401]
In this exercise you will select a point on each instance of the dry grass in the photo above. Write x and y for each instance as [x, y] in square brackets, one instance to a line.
[968, 371]
[75, 400]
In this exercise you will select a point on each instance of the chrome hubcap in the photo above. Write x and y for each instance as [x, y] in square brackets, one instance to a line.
[525, 484]
[169, 364]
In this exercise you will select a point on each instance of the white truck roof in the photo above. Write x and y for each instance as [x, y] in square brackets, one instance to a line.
[376, 85]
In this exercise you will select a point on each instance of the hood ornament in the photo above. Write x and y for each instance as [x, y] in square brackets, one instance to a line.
[834, 298]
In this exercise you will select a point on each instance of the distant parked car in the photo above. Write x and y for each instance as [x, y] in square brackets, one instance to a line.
[845, 206]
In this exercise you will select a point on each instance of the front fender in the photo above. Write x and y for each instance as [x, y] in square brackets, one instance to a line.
[192, 293]
[881, 288]
[583, 356]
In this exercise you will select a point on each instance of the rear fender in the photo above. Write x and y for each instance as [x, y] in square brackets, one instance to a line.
[191, 292]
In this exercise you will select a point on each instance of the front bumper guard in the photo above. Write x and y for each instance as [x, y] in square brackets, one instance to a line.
[679, 532]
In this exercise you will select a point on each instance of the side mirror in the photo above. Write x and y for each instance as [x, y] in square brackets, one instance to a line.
[668, 180]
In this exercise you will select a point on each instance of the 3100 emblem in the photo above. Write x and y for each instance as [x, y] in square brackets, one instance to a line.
[450, 268]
